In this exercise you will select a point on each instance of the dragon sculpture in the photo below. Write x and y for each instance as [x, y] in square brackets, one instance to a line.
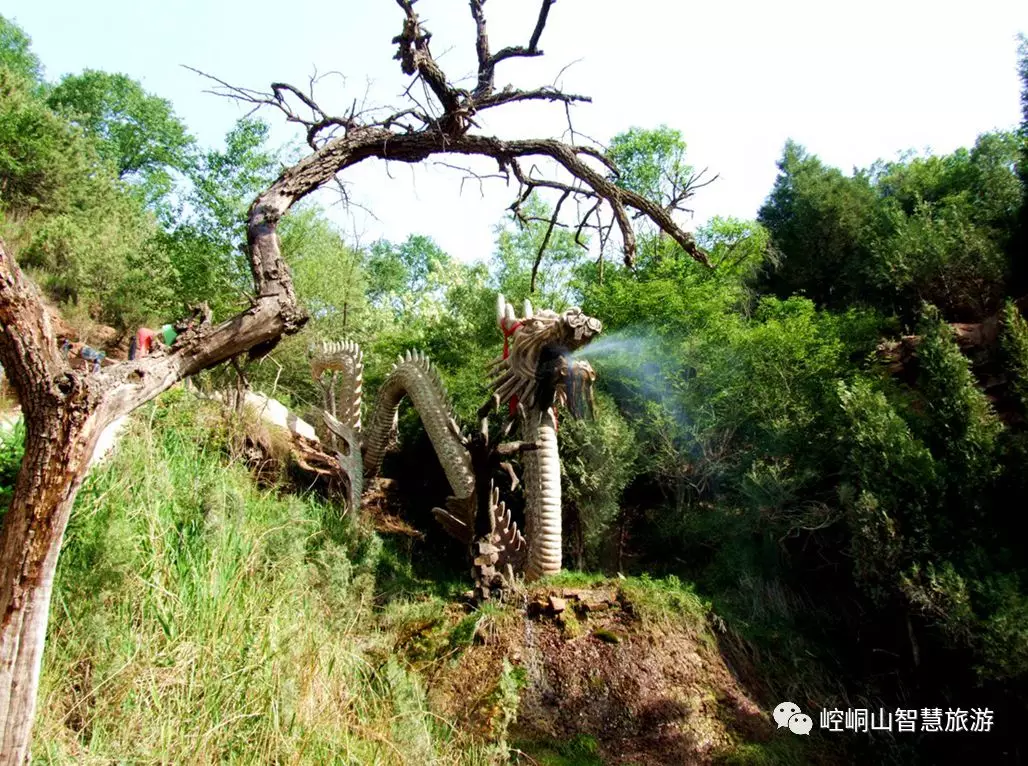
[535, 375]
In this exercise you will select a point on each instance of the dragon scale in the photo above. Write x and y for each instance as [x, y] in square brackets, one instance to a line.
[415, 378]
[542, 496]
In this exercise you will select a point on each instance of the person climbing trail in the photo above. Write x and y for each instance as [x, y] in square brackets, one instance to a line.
[90, 355]
[142, 343]
[93, 355]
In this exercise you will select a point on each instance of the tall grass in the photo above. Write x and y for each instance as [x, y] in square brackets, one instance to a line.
[197, 619]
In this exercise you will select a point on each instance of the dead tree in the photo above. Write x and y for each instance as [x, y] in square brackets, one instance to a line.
[65, 410]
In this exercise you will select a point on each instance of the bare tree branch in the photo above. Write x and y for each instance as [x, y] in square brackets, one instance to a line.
[317, 122]
[486, 62]
[539, 94]
[583, 223]
[471, 175]
[415, 57]
[546, 238]
[392, 138]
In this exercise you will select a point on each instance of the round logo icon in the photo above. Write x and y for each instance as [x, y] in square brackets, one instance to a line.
[800, 723]
[784, 712]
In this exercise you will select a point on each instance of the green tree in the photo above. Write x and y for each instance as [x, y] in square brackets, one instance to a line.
[409, 278]
[598, 458]
[137, 132]
[935, 229]
[206, 236]
[959, 423]
[42, 157]
[329, 274]
[1014, 340]
[16, 54]
[825, 226]
[101, 257]
[518, 247]
[652, 163]
[1019, 243]
[87, 240]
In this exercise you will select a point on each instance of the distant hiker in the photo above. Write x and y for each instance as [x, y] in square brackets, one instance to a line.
[92, 355]
[142, 344]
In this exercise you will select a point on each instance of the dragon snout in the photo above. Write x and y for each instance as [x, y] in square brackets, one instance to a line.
[580, 328]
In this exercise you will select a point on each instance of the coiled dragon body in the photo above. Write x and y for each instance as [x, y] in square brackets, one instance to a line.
[534, 376]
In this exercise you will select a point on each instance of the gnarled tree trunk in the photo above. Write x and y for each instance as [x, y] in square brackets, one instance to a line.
[63, 424]
[57, 451]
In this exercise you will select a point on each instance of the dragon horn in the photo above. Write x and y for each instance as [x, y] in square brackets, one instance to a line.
[501, 309]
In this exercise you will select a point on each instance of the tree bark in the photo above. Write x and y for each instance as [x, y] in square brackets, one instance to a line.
[56, 457]
[63, 419]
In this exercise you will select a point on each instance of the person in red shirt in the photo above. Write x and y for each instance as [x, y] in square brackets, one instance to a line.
[142, 344]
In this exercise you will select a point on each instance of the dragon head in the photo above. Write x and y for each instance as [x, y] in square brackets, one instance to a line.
[538, 369]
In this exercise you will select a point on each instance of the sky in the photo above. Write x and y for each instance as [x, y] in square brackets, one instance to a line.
[851, 82]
